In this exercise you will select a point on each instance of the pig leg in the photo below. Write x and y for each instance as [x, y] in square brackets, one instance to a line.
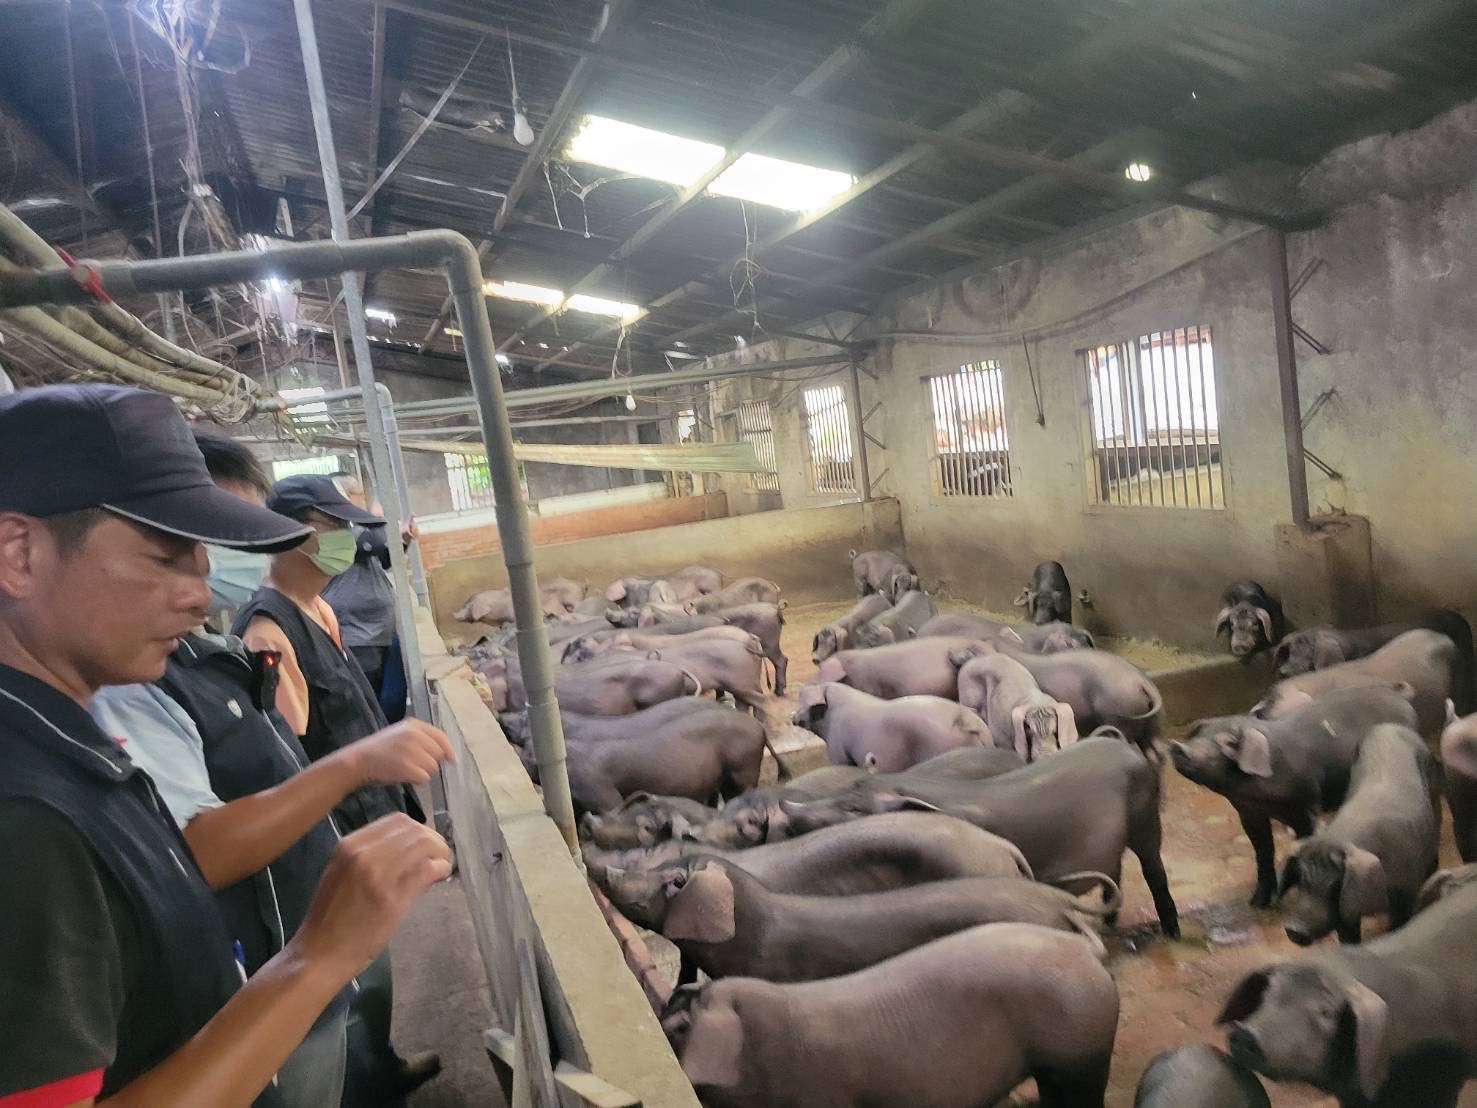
[781, 671]
[1258, 828]
[1080, 1087]
[1146, 843]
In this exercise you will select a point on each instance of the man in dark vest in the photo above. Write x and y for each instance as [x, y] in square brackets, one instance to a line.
[239, 786]
[327, 701]
[118, 975]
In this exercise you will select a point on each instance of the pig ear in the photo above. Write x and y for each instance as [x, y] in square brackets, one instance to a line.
[1451, 716]
[616, 592]
[715, 1047]
[1280, 654]
[1292, 873]
[1066, 725]
[1370, 1016]
[1023, 599]
[812, 696]
[638, 797]
[1327, 652]
[892, 802]
[702, 909]
[1265, 617]
[1254, 756]
[1364, 890]
[1223, 620]
[1018, 731]
[1434, 889]
[1246, 998]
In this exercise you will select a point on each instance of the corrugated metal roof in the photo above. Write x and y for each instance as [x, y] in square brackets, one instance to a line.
[1198, 86]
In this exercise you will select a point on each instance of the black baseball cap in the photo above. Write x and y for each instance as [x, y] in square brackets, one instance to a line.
[293, 494]
[64, 448]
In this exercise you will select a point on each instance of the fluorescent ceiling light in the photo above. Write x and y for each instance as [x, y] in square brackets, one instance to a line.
[780, 184]
[1138, 171]
[529, 294]
[641, 150]
[382, 315]
[596, 305]
[681, 161]
[452, 331]
[503, 359]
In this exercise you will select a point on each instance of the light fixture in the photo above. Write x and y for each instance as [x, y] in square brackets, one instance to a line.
[451, 332]
[630, 403]
[598, 305]
[383, 316]
[792, 186]
[543, 346]
[522, 132]
[641, 150]
[503, 359]
[661, 156]
[1138, 171]
[528, 294]
[680, 354]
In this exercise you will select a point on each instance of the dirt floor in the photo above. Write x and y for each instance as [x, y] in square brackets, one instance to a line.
[1171, 992]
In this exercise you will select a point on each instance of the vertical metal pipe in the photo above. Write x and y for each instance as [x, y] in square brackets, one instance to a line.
[379, 447]
[402, 490]
[859, 450]
[1287, 379]
[464, 274]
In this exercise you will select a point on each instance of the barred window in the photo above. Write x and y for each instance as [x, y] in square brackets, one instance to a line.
[754, 427]
[470, 480]
[1155, 428]
[828, 437]
[971, 446]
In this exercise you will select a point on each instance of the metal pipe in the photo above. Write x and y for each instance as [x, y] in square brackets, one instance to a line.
[858, 435]
[402, 490]
[1287, 379]
[379, 444]
[315, 260]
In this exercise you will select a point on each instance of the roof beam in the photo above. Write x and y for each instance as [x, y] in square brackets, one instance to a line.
[559, 115]
[894, 15]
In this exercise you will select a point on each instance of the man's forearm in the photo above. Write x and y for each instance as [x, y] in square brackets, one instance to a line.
[232, 842]
[235, 1055]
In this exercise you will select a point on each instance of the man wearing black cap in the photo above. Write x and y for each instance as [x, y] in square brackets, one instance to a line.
[238, 784]
[326, 699]
[322, 693]
[118, 978]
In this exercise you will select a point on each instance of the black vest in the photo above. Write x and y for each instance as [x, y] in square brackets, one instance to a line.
[249, 748]
[341, 706]
[53, 752]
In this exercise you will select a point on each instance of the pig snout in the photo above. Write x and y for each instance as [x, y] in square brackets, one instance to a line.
[1245, 1048]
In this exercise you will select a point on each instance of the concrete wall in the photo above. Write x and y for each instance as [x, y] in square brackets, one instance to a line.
[803, 550]
[1393, 298]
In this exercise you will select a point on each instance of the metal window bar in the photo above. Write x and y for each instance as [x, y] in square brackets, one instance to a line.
[470, 481]
[1155, 426]
[971, 441]
[755, 428]
[832, 460]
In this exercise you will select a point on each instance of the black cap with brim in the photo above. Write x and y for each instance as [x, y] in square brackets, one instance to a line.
[322, 494]
[211, 515]
[66, 448]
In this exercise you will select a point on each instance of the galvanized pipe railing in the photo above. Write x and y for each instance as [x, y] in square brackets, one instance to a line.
[456, 257]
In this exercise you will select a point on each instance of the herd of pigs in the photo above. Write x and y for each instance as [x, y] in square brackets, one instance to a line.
[918, 923]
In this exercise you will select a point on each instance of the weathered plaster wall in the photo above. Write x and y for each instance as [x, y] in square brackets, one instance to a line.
[1393, 298]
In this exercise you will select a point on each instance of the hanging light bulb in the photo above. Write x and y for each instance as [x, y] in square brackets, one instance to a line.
[522, 130]
[630, 403]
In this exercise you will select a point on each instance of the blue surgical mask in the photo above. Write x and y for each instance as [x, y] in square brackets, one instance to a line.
[235, 575]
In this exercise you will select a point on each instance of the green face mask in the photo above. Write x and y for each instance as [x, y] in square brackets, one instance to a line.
[335, 551]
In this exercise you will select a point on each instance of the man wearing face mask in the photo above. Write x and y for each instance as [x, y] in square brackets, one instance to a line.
[322, 692]
[238, 784]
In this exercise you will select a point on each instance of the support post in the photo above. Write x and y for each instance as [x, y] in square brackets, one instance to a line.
[859, 438]
[1287, 379]
[374, 406]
